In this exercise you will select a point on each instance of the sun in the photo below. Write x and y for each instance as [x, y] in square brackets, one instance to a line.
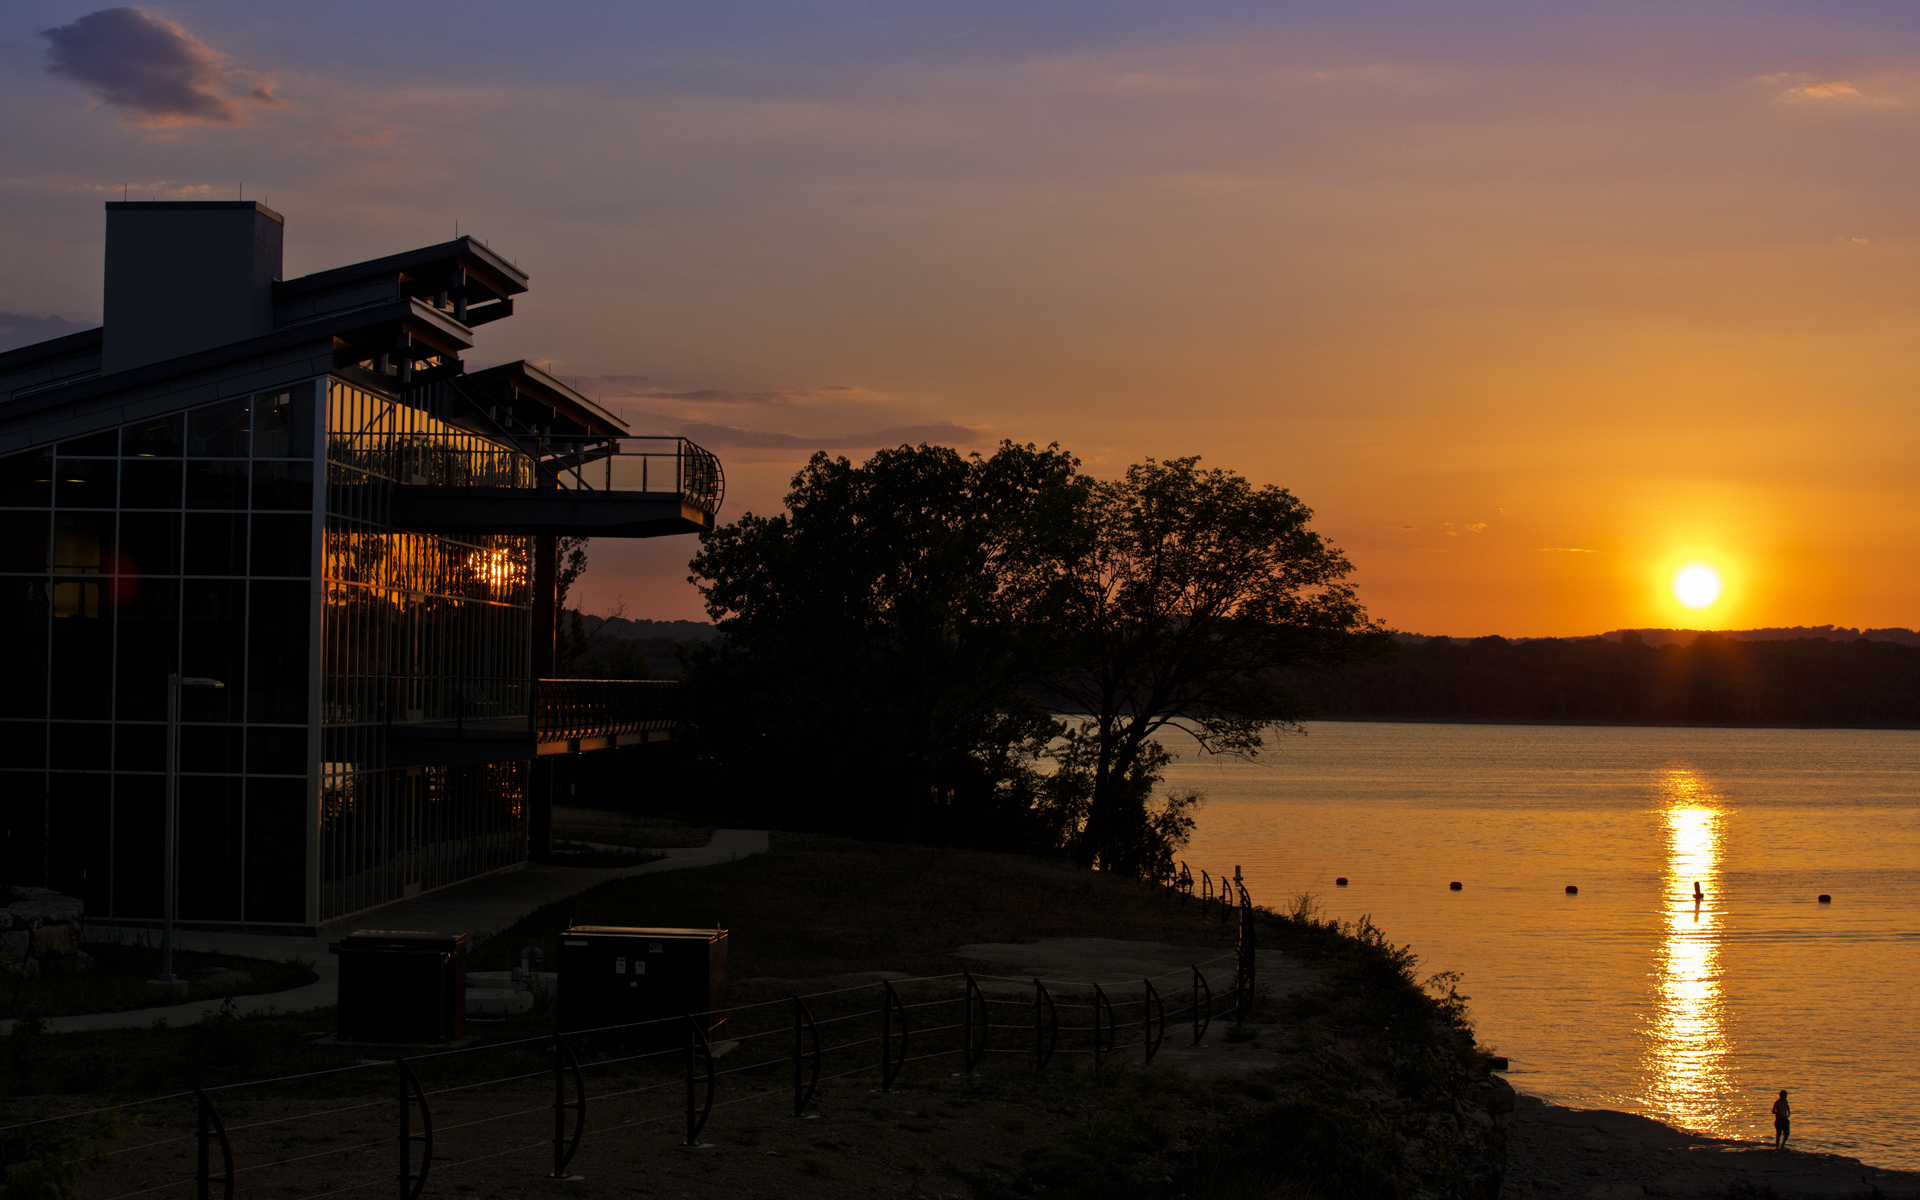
[1697, 586]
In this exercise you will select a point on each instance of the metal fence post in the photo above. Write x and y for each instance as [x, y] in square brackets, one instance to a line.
[803, 1022]
[1202, 1018]
[411, 1185]
[563, 1147]
[1151, 1009]
[971, 1053]
[1102, 1004]
[211, 1126]
[1243, 1007]
[697, 1048]
[890, 1065]
[1046, 1036]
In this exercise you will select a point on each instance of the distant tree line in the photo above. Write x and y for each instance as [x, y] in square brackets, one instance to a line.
[1714, 680]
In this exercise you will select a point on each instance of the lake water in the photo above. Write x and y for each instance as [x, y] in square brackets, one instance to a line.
[1628, 995]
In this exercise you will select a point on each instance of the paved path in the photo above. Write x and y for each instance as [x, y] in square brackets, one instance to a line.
[484, 905]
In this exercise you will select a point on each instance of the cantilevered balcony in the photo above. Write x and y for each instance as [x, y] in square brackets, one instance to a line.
[570, 716]
[599, 486]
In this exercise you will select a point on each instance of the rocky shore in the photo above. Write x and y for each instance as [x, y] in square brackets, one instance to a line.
[1558, 1153]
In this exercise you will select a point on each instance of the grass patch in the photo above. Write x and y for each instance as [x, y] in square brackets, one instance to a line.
[816, 906]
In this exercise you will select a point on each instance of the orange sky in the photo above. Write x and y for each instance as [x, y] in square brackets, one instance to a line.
[1531, 307]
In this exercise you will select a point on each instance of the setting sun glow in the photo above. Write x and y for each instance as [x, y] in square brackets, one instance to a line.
[1697, 586]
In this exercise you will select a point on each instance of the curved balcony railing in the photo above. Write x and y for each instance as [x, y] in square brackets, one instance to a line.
[636, 464]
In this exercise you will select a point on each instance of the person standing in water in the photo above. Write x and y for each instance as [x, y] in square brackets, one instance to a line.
[1782, 1121]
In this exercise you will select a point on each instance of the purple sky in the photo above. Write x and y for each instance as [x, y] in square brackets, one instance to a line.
[1533, 303]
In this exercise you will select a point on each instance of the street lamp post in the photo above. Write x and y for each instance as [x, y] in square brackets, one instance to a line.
[169, 889]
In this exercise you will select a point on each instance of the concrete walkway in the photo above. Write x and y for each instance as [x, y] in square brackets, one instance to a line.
[485, 905]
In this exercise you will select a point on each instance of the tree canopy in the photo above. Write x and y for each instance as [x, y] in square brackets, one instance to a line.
[931, 645]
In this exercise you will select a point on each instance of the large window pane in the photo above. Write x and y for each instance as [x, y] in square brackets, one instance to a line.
[23, 828]
[149, 483]
[79, 813]
[85, 482]
[149, 543]
[218, 430]
[146, 650]
[27, 479]
[211, 749]
[79, 542]
[23, 647]
[276, 849]
[79, 745]
[81, 668]
[209, 875]
[276, 750]
[284, 485]
[212, 483]
[283, 544]
[140, 747]
[22, 744]
[158, 438]
[139, 841]
[213, 645]
[24, 539]
[277, 646]
[283, 424]
[216, 544]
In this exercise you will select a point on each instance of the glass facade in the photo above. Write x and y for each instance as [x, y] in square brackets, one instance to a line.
[180, 543]
[248, 541]
[416, 629]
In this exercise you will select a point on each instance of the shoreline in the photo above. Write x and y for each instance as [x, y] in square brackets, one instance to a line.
[1555, 1151]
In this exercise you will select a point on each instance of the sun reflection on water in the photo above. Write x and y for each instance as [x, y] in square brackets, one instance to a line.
[1687, 1036]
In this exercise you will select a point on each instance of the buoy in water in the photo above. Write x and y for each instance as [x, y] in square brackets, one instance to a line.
[1455, 886]
[1572, 890]
[1340, 882]
[1825, 899]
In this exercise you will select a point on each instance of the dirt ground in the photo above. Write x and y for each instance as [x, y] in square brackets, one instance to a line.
[1561, 1153]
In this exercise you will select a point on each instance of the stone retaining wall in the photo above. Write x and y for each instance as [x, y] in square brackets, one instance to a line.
[40, 932]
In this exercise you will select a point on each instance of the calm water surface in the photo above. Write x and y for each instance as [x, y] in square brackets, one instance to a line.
[1628, 995]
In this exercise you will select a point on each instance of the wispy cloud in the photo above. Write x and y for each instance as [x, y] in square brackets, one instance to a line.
[636, 387]
[1565, 550]
[945, 433]
[157, 73]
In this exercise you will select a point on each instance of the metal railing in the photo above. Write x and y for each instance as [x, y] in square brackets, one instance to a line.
[547, 1096]
[636, 464]
[568, 709]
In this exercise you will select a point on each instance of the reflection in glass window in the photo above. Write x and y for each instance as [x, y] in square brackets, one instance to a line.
[218, 430]
[85, 482]
[283, 424]
[161, 437]
[26, 480]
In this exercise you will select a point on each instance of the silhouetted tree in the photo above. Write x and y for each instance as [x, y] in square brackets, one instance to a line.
[1176, 597]
[870, 669]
